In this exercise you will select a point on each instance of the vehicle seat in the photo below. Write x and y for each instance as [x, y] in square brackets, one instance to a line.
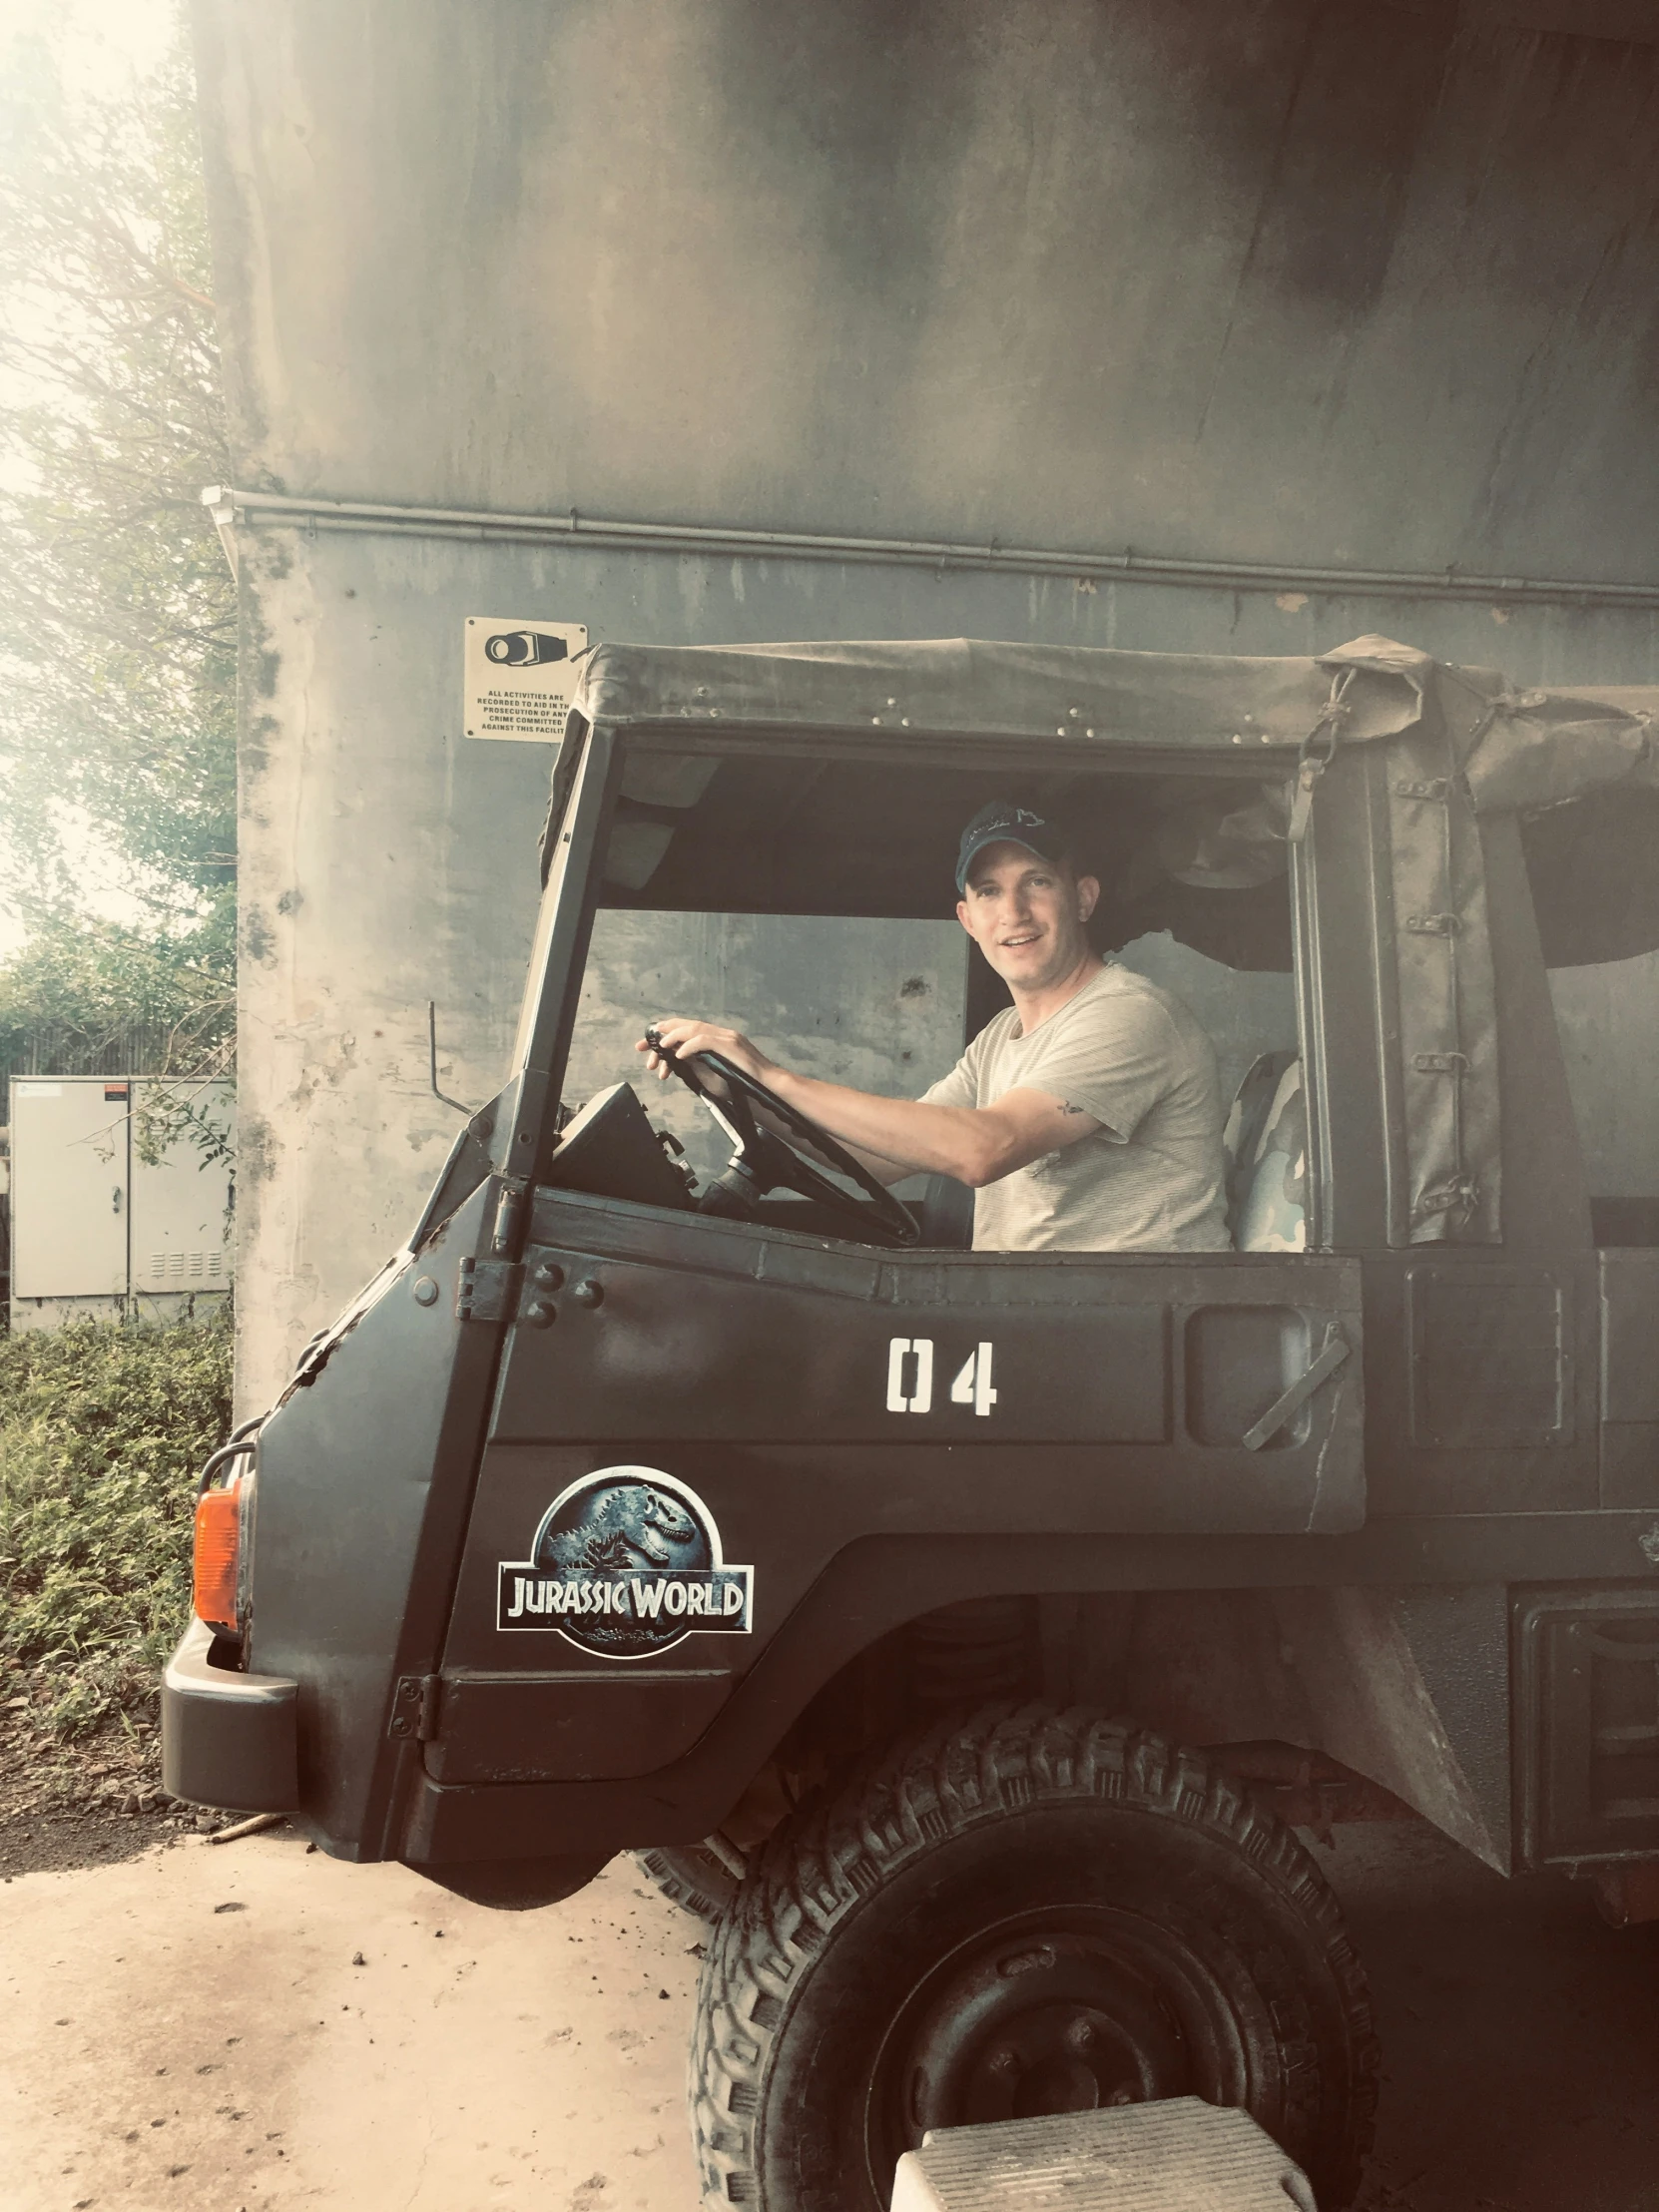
[946, 1214]
[1266, 1158]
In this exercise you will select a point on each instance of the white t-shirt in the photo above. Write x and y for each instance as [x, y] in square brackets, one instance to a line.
[1152, 1178]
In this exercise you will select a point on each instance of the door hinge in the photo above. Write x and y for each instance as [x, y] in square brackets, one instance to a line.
[487, 1289]
[414, 1709]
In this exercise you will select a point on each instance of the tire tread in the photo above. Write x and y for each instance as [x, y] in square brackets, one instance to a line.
[690, 1875]
[928, 1787]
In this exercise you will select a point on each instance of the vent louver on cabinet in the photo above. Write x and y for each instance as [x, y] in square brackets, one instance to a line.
[195, 1267]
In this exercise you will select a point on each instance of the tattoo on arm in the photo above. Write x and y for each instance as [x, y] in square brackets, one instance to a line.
[1066, 1108]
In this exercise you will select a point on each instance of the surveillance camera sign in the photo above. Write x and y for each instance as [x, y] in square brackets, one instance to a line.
[520, 676]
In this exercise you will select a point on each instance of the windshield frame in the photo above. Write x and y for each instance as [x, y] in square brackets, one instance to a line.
[575, 890]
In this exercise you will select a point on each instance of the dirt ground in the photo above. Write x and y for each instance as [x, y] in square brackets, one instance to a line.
[84, 1802]
[252, 2026]
[208, 2027]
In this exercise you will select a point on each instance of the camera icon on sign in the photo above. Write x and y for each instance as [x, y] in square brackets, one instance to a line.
[524, 649]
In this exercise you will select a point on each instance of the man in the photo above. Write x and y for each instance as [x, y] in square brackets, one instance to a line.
[1087, 1116]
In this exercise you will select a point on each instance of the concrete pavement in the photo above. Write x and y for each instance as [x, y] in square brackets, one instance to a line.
[254, 2025]
[203, 2030]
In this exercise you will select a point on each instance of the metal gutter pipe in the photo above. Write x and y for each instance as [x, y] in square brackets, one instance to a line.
[229, 507]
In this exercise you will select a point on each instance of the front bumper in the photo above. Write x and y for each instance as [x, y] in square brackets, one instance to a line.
[227, 1738]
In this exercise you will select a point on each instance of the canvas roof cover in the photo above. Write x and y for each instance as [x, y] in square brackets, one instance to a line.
[1520, 747]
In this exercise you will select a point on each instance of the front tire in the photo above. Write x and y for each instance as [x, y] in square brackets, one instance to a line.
[690, 1875]
[1026, 1911]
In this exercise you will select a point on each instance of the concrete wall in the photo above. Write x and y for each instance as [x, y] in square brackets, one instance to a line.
[1318, 284]
[876, 1003]
[1366, 284]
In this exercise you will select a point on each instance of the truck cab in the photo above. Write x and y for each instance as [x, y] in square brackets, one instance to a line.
[967, 1633]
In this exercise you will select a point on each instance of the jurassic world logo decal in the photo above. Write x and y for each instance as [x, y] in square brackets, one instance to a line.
[625, 1564]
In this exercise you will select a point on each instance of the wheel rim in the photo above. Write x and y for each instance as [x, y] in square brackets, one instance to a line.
[1066, 2011]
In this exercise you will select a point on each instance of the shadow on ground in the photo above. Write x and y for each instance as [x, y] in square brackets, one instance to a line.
[1520, 2033]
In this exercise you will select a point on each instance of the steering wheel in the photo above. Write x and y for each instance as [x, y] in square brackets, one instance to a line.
[765, 1162]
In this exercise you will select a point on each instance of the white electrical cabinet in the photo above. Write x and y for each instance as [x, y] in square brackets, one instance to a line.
[120, 1197]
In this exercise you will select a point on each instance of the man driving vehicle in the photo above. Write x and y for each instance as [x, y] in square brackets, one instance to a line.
[1086, 1117]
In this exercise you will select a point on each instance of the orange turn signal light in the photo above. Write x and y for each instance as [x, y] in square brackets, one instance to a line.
[218, 1563]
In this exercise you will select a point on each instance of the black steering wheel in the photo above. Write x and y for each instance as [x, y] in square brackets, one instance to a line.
[765, 1162]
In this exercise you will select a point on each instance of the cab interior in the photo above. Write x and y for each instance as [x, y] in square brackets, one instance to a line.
[808, 900]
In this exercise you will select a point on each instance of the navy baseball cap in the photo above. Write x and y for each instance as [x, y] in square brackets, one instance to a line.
[1002, 822]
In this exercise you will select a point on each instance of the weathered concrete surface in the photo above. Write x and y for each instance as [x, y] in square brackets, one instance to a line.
[529, 2063]
[876, 1003]
[1520, 2034]
[1361, 283]
[162, 2054]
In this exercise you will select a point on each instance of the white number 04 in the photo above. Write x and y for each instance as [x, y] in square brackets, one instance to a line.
[972, 1386]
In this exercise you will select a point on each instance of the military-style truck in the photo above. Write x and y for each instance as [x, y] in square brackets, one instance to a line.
[967, 1633]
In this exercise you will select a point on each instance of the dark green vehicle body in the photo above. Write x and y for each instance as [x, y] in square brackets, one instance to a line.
[1391, 1498]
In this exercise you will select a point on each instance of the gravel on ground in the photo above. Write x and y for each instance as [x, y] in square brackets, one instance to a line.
[87, 1802]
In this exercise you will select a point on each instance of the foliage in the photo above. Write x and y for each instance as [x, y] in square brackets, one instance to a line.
[103, 1427]
[117, 610]
[84, 996]
[98, 997]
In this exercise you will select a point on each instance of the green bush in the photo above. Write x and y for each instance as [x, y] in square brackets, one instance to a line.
[103, 1429]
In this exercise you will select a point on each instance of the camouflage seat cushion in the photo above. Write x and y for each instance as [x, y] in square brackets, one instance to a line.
[1267, 1136]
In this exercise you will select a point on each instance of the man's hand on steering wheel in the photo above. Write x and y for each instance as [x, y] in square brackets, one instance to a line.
[683, 1039]
[731, 1076]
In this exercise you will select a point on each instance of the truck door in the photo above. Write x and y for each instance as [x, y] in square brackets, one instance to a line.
[753, 1401]
[1118, 1391]
[695, 1415]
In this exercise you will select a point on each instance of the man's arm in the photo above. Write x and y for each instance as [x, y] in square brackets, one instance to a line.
[895, 1137]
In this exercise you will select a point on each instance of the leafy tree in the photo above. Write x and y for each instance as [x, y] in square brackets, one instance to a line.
[83, 994]
[117, 610]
